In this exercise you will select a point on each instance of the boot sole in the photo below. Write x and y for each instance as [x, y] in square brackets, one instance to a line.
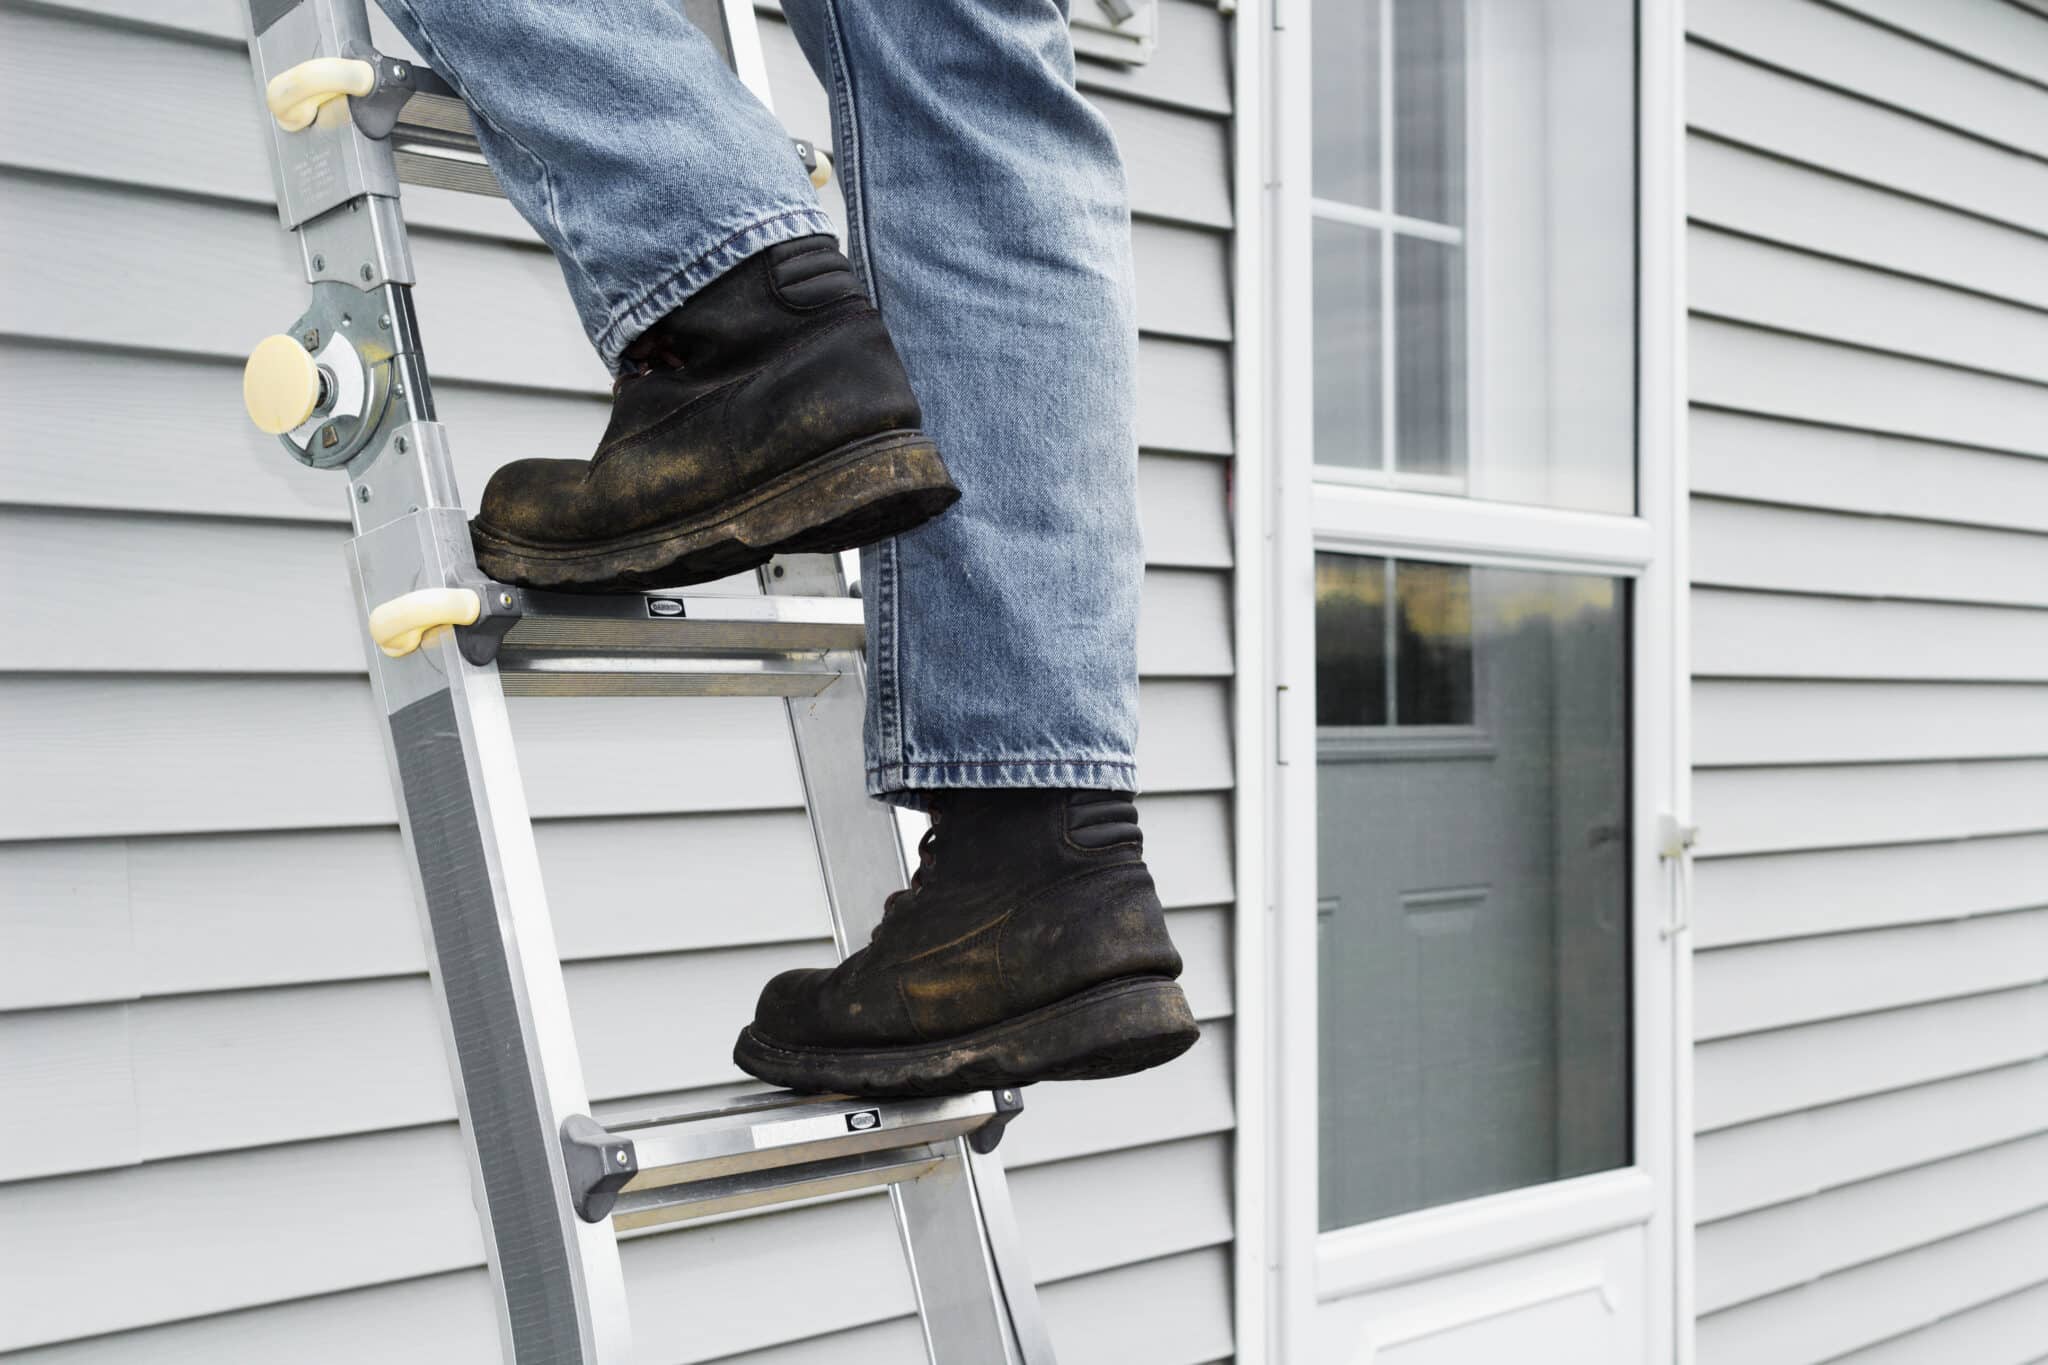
[1114, 1029]
[855, 495]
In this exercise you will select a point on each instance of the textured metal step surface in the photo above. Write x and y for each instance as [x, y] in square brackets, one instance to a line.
[776, 1146]
[435, 140]
[668, 644]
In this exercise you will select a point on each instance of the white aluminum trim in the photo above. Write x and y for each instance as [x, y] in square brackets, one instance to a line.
[1465, 530]
[1255, 1202]
[1416, 1246]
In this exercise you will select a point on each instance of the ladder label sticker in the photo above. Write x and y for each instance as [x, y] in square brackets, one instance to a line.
[664, 606]
[863, 1120]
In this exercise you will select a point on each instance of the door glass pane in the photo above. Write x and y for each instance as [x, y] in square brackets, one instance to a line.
[1500, 163]
[1346, 103]
[1429, 358]
[1347, 331]
[1429, 109]
[1473, 885]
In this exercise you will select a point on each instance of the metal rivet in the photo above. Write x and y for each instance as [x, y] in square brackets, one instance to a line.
[346, 319]
[311, 340]
[398, 70]
[362, 492]
[1009, 1097]
[384, 321]
[504, 599]
[319, 263]
[329, 437]
[367, 274]
[778, 571]
[401, 445]
[619, 1155]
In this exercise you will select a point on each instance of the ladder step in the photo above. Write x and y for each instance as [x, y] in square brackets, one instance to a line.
[775, 1147]
[435, 140]
[667, 644]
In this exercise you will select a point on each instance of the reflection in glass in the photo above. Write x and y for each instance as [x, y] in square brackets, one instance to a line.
[1347, 333]
[1433, 658]
[1351, 640]
[1429, 109]
[1473, 886]
[1429, 357]
[1346, 99]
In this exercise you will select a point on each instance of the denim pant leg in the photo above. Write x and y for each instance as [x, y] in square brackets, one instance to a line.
[989, 213]
[621, 135]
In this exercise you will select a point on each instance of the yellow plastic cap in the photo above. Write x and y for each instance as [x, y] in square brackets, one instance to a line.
[280, 384]
[401, 625]
[299, 96]
[821, 172]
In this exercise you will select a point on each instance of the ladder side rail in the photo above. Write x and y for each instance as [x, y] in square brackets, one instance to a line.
[967, 1266]
[559, 1291]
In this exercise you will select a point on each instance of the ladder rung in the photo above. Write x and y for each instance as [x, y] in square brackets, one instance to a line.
[435, 140]
[665, 644]
[653, 675]
[777, 1147]
[672, 623]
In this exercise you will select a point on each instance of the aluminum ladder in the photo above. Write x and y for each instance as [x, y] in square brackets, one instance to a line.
[347, 389]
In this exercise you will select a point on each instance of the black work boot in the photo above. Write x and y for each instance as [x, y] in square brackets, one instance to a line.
[1029, 947]
[767, 415]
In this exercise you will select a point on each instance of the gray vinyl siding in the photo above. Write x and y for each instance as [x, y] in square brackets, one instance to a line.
[1868, 251]
[226, 1131]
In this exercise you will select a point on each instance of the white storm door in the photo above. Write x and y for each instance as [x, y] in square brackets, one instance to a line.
[1477, 1016]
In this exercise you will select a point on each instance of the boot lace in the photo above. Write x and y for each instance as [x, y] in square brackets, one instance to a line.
[927, 856]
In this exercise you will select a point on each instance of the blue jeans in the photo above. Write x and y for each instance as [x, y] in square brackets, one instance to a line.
[988, 216]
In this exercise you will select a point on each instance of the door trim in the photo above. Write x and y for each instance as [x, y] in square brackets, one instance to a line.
[1284, 1266]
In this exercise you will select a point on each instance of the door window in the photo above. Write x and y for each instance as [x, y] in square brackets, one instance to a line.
[1473, 930]
[1472, 309]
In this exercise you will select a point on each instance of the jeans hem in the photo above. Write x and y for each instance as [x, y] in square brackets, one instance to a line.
[906, 784]
[651, 306]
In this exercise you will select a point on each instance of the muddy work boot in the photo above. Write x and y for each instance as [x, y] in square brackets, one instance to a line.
[1030, 946]
[767, 415]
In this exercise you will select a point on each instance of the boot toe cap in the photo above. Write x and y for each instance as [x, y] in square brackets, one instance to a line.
[534, 500]
[788, 1009]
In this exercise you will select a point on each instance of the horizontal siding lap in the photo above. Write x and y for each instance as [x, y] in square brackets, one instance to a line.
[1757, 1254]
[1778, 374]
[1758, 1075]
[1764, 196]
[1743, 102]
[1760, 459]
[1879, 1299]
[1772, 985]
[1824, 44]
[1790, 1156]
[1739, 277]
[1829, 891]
[1868, 344]
[2006, 1331]
[1760, 810]
[1782, 635]
[1775, 722]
